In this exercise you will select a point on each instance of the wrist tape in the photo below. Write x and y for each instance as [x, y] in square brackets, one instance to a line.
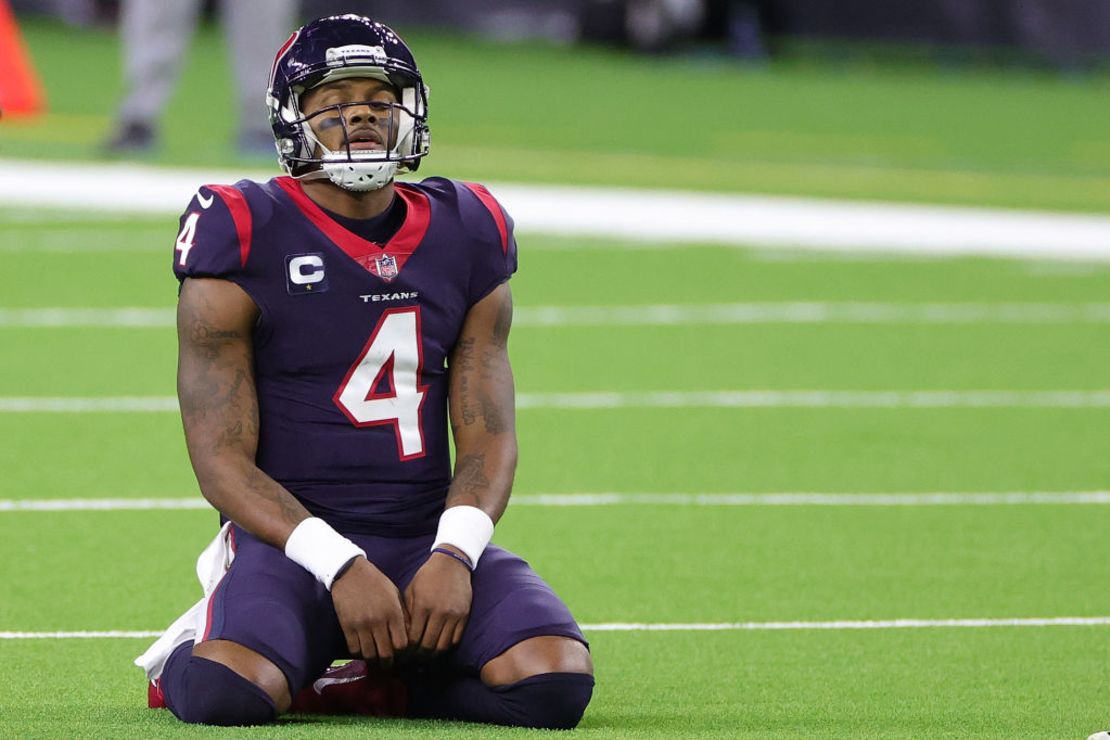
[467, 528]
[320, 550]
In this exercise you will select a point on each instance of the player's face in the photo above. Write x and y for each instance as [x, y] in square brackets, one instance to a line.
[366, 119]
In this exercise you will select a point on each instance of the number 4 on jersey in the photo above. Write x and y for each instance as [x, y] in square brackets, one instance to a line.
[186, 237]
[392, 356]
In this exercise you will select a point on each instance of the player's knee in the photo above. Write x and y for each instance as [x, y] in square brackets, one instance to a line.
[549, 701]
[210, 693]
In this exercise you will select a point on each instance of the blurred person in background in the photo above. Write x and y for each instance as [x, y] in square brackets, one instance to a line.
[156, 35]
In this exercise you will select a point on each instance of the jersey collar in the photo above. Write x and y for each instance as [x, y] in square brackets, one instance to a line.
[383, 260]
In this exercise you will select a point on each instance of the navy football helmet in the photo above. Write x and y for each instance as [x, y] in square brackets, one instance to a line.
[335, 48]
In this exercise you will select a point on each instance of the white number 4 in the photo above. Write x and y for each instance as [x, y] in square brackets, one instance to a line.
[392, 354]
[186, 237]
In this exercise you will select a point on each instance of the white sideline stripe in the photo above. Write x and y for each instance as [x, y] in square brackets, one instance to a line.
[947, 498]
[656, 314]
[811, 399]
[645, 215]
[689, 627]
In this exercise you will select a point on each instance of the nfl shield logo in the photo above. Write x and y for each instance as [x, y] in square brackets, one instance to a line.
[385, 267]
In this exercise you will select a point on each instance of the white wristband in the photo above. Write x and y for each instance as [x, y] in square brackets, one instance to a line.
[320, 550]
[467, 528]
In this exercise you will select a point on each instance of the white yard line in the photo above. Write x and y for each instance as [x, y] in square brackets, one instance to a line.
[945, 399]
[848, 624]
[80, 635]
[644, 215]
[807, 312]
[95, 318]
[882, 499]
[887, 624]
[938, 498]
[103, 504]
[95, 405]
[808, 399]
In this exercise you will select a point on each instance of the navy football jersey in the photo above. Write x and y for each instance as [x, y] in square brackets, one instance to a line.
[353, 337]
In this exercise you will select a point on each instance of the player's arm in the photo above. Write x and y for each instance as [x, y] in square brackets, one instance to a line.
[219, 410]
[483, 407]
[481, 401]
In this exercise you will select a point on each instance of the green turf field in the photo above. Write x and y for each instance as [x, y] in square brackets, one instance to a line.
[132, 570]
[1017, 139]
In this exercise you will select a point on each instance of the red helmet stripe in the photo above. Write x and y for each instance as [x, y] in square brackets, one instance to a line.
[281, 52]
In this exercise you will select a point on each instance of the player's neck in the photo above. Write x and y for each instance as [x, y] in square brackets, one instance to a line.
[347, 202]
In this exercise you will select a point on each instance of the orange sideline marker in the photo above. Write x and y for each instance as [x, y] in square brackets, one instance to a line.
[20, 90]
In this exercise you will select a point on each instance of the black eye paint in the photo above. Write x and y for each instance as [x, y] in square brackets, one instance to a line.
[330, 123]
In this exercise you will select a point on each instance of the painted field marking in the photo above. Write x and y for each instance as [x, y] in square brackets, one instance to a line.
[92, 405]
[878, 624]
[647, 215]
[885, 499]
[796, 312]
[761, 399]
[884, 624]
[947, 498]
[817, 399]
[81, 635]
[96, 318]
[104, 504]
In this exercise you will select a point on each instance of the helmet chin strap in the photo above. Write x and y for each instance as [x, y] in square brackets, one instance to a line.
[354, 175]
[349, 171]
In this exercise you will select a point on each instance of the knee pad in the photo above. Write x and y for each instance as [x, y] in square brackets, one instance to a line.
[205, 692]
[550, 701]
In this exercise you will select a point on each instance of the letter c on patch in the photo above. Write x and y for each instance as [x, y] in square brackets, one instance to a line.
[306, 269]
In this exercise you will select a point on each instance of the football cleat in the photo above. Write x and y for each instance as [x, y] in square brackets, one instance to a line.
[154, 697]
[353, 688]
[1104, 735]
[335, 48]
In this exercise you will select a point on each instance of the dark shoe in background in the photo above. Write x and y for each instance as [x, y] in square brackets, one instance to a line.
[131, 138]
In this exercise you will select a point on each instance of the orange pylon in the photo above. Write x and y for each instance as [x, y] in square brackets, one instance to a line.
[20, 89]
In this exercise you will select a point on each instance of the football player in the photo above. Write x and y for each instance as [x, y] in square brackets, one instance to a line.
[328, 322]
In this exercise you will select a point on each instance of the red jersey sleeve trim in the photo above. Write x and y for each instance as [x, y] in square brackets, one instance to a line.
[494, 209]
[240, 214]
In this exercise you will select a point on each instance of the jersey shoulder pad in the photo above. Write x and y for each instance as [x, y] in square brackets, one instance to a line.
[490, 228]
[482, 217]
[214, 233]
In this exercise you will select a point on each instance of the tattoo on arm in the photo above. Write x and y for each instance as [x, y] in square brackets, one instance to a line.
[470, 480]
[219, 409]
[263, 485]
[482, 391]
[476, 396]
[462, 366]
[493, 416]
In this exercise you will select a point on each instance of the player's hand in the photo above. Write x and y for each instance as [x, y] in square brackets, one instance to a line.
[369, 609]
[438, 604]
